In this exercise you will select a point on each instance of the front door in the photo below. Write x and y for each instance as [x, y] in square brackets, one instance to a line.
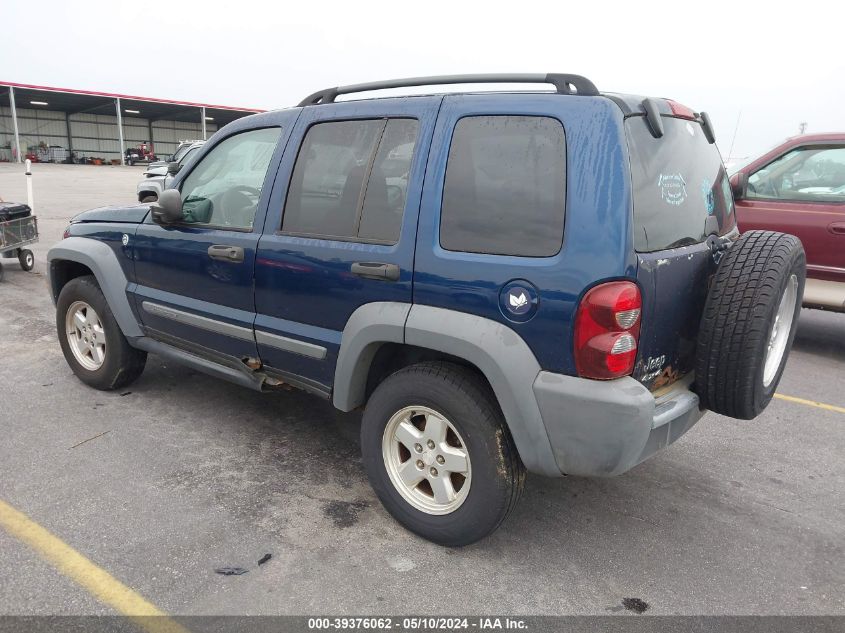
[195, 277]
[340, 228]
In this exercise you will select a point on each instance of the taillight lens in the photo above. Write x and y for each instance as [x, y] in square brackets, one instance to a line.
[607, 327]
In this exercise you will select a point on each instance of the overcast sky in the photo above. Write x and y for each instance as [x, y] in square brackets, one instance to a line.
[770, 65]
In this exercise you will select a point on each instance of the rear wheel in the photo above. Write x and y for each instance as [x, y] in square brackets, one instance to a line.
[749, 322]
[26, 259]
[439, 455]
[91, 340]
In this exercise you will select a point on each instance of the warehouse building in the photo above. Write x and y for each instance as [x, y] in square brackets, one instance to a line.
[62, 125]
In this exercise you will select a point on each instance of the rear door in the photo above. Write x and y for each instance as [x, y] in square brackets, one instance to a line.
[683, 214]
[802, 192]
[340, 229]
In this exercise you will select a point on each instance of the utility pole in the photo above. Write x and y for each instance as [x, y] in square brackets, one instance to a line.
[802, 127]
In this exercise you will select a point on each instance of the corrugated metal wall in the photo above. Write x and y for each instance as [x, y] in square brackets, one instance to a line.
[34, 126]
[93, 135]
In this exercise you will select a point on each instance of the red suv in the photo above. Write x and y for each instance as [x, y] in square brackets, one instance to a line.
[799, 188]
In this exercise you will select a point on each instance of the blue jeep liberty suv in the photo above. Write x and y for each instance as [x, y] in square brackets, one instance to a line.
[545, 280]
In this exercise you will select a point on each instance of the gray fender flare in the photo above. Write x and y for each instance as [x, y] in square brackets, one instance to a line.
[499, 353]
[102, 261]
[367, 329]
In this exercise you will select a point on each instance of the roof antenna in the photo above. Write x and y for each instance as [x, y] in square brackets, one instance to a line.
[736, 127]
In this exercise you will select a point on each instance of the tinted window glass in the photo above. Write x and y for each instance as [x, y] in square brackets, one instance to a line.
[387, 187]
[328, 178]
[679, 183]
[223, 189]
[810, 174]
[505, 186]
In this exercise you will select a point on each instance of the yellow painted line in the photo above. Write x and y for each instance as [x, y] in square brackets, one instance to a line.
[98, 582]
[810, 403]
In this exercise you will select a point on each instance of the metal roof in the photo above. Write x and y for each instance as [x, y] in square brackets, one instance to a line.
[75, 101]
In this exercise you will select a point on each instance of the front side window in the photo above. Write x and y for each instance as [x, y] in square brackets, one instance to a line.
[350, 180]
[505, 186]
[222, 191]
[807, 174]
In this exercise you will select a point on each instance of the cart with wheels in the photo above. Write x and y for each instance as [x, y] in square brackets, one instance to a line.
[15, 235]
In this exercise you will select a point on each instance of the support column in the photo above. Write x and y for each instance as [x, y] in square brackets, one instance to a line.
[15, 123]
[202, 117]
[120, 131]
[150, 132]
[69, 137]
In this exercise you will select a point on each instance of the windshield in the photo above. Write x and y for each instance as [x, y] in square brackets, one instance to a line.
[180, 152]
[679, 183]
[187, 155]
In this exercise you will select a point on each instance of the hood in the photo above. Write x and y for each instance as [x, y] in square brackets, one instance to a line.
[159, 164]
[156, 170]
[134, 214]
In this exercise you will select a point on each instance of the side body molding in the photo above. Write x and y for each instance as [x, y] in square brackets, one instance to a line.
[103, 263]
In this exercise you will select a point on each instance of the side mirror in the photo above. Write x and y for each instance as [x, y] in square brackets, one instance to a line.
[173, 168]
[168, 208]
[739, 185]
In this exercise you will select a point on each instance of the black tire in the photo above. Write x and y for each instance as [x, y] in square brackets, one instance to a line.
[149, 198]
[26, 259]
[470, 406]
[123, 363]
[1, 272]
[737, 322]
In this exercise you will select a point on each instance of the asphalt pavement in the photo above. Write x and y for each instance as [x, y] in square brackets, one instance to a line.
[181, 473]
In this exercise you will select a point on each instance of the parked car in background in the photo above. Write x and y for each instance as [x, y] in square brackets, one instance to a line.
[799, 188]
[183, 147]
[156, 179]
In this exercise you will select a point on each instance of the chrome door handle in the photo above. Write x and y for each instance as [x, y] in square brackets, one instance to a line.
[226, 253]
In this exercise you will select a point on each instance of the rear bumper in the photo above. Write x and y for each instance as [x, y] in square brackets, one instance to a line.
[604, 428]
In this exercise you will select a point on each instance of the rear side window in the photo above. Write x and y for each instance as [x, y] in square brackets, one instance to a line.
[351, 179]
[681, 189]
[505, 186]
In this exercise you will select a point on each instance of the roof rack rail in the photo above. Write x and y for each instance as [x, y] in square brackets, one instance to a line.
[563, 83]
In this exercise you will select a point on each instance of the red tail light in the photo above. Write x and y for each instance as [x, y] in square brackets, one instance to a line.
[607, 328]
[680, 110]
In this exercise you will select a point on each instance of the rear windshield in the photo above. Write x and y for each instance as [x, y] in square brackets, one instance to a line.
[679, 184]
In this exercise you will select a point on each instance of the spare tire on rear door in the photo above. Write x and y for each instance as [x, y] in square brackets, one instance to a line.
[749, 323]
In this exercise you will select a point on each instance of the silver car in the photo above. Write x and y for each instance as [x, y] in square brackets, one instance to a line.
[158, 176]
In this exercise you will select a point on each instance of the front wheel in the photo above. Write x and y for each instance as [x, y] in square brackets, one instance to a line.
[91, 340]
[439, 455]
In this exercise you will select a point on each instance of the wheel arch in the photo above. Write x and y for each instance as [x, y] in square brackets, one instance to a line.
[78, 256]
[378, 334]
